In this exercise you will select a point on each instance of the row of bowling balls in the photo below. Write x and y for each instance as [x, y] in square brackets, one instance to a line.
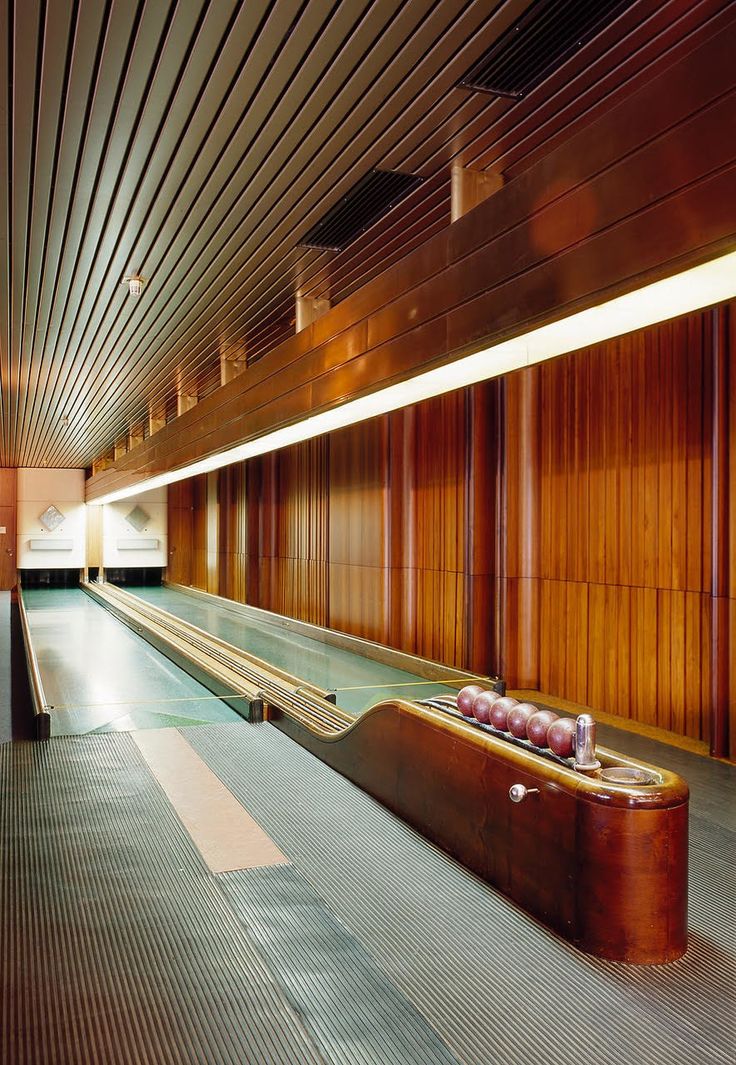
[525, 721]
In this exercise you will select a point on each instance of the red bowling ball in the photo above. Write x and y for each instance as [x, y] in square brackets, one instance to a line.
[519, 718]
[465, 698]
[538, 725]
[500, 711]
[482, 705]
[561, 736]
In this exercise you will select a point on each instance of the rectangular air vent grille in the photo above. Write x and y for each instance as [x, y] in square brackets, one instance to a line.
[547, 34]
[368, 200]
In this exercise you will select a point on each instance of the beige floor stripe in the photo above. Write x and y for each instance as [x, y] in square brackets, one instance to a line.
[224, 832]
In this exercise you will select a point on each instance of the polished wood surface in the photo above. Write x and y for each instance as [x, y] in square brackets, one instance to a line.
[570, 527]
[624, 525]
[383, 530]
[200, 535]
[605, 867]
[8, 494]
[94, 537]
[722, 693]
[641, 192]
[180, 531]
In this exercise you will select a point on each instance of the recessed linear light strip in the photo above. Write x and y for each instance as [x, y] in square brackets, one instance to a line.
[688, 291]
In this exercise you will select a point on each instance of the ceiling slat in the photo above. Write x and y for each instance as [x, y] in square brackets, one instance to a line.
[197, 142]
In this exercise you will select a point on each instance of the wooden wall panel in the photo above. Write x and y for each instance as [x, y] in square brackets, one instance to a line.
[723, 561]
[625, 525]
[180, 531]
[558, 525]
[94, 537]
[441, 527]
[299, 564]
[273, 532]
[199, 533]
[233, 533]
[519, 537]
[8, 500]
[358, 551]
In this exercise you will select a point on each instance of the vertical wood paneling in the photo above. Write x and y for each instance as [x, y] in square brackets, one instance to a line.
[94, 536]
[8, 502]
[358, 549]
[558, 524]
[625, 525]
[212, 532]
[199, 532]
[233, 533]
[723, 502]
[180, 532]
[519, 548]
[728, 628]
[441, 533]
[402, 530]
[482, 516]
[300, 562]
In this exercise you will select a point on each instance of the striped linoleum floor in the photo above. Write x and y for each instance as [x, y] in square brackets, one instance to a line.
[495, 986]
[118, 944]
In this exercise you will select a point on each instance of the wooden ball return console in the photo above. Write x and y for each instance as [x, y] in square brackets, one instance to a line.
[590, 842]
[599, 854]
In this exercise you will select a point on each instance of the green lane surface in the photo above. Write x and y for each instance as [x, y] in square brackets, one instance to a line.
[101, 677]
[358, 682]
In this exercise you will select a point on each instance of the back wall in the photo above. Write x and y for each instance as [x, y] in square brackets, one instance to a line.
[570, 526]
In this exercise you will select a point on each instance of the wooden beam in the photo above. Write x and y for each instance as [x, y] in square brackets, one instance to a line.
[136, 436]
[230, 369]
[470, 187]
[156, 418]
[104, 462]
[309, 310]
[185, 401]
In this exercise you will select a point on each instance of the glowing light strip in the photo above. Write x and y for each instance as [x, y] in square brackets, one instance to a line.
[682, 293]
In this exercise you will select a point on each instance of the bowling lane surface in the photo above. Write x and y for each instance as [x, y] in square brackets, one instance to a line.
[101, 677]
[358, 682]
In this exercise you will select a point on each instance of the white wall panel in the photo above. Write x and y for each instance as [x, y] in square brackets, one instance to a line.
[120, 538]
[38, 490]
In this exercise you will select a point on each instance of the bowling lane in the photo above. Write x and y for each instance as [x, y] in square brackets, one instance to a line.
[101, 677]
[357, 681]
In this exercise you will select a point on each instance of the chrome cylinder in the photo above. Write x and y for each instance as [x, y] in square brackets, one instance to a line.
[585, 759]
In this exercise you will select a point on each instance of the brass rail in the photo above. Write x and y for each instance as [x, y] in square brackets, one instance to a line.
[231, 668]
[41, 707]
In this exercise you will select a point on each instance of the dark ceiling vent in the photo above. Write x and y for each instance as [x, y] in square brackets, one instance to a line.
[547, 34]
[371, 198]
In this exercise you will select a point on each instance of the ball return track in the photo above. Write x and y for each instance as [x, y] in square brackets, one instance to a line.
[604, 865]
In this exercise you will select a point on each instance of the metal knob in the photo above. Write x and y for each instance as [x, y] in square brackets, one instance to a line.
[518, 792]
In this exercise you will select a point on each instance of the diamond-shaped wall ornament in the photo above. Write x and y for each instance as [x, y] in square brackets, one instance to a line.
[138, 518]
[51, 518]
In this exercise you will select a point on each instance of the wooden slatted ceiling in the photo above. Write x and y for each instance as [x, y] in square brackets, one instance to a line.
[195, 142]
